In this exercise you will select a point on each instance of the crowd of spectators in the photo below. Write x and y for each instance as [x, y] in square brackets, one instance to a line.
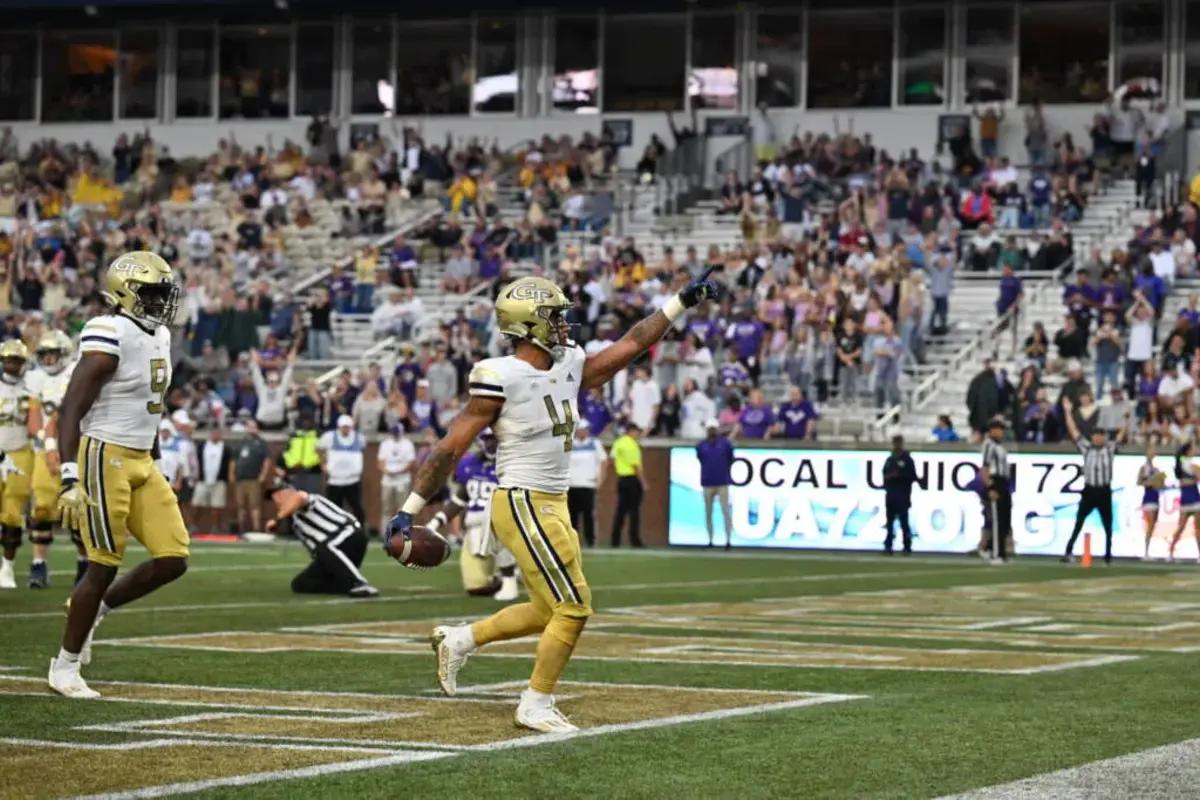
[1113, 352]
[844, 266]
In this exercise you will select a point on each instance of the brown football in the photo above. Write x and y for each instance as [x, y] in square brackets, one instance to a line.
[421, 548]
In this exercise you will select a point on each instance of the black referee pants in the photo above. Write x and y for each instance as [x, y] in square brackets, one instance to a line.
[1001, 522]
[897, 512]
[347, 497]
[330, 570]
[629, 505]
[581, 502]
[1098, 498]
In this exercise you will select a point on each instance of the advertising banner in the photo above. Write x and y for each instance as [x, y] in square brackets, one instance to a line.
[834, 500]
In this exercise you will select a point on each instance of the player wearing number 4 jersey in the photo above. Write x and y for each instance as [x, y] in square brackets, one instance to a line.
[529, 400]
[108, 429]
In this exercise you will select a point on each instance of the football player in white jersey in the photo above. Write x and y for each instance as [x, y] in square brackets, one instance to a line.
[48, 383]
[107, 432]
[19, 418]
[529, 400]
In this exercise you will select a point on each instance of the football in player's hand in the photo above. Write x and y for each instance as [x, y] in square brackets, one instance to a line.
[421, 548]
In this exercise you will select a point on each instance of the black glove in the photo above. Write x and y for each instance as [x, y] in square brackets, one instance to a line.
[701, 289]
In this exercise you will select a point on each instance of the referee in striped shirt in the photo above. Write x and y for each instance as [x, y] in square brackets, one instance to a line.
[1098, 455]
[333, 537]
[994, 472]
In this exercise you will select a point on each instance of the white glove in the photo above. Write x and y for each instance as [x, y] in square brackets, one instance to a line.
[8, 468]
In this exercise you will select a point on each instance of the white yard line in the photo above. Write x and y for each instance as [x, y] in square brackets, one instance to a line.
[395, 758]
[424, 593]
[316, 771]
[1161, 773]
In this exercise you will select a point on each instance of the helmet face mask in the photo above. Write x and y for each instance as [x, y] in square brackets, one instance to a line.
[13, 367]
[158, 302]
[53, 351]
[13, 358]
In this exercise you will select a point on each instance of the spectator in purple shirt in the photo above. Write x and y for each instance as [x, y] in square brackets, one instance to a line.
[1011, 291]
[703, 327]
[733, 373]
[1110, 295]
[1192, 312]
[402, 263]
[593, 408]
[408, 372]
[715, 453]
[746, 335]
[795, 417]
[1079, 298]
[341, 289]
[1152, 286]
[491, 263]
[756, 419]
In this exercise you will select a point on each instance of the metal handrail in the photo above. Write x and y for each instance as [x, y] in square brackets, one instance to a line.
[925, 391]
[389, 344]
[322, 274]
[889, 417]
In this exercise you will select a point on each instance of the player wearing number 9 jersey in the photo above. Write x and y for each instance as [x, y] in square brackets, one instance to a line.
[529, 400]
[108, 427]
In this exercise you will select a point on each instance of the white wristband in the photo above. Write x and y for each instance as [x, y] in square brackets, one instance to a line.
[69, 471]
[674, 308]
[413, 504]
[50, 443]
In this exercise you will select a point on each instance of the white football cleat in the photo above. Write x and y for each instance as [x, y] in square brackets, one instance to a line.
[451, 656]
[537, 712]
[65, 679]
[508, 590]
[7, 579]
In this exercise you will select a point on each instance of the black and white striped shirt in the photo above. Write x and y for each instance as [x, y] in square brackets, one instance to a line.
[995, 458]
[1097, 462]
[319, 522]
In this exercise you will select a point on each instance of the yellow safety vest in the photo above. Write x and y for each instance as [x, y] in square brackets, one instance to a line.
[302, 451]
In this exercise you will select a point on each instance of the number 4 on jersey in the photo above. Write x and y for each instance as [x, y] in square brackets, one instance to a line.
[564, 427]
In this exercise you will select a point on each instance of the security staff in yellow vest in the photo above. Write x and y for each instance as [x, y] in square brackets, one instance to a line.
[300, 458]
[631, 485]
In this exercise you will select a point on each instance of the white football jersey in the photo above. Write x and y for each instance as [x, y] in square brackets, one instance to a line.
[49, 388]
[536, 427]
[130, 405]
[15, 399]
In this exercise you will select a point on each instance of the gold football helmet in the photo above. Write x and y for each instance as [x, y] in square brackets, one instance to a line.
[13, 355]
[54, 345]
[142, 285]
[534, 309]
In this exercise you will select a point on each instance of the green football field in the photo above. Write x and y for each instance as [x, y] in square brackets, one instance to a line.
[703, 674]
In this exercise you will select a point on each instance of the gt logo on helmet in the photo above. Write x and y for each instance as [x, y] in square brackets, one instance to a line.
[535, 293]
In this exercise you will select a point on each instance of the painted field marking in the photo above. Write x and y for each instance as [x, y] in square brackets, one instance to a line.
[1171, 770]
[186, 787]
[404, 595]
[602, 708]
[149, 744]
[601, 645]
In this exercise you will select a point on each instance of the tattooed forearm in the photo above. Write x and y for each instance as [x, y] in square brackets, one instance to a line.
[649, 330]
[434, 472]
[611, 360]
